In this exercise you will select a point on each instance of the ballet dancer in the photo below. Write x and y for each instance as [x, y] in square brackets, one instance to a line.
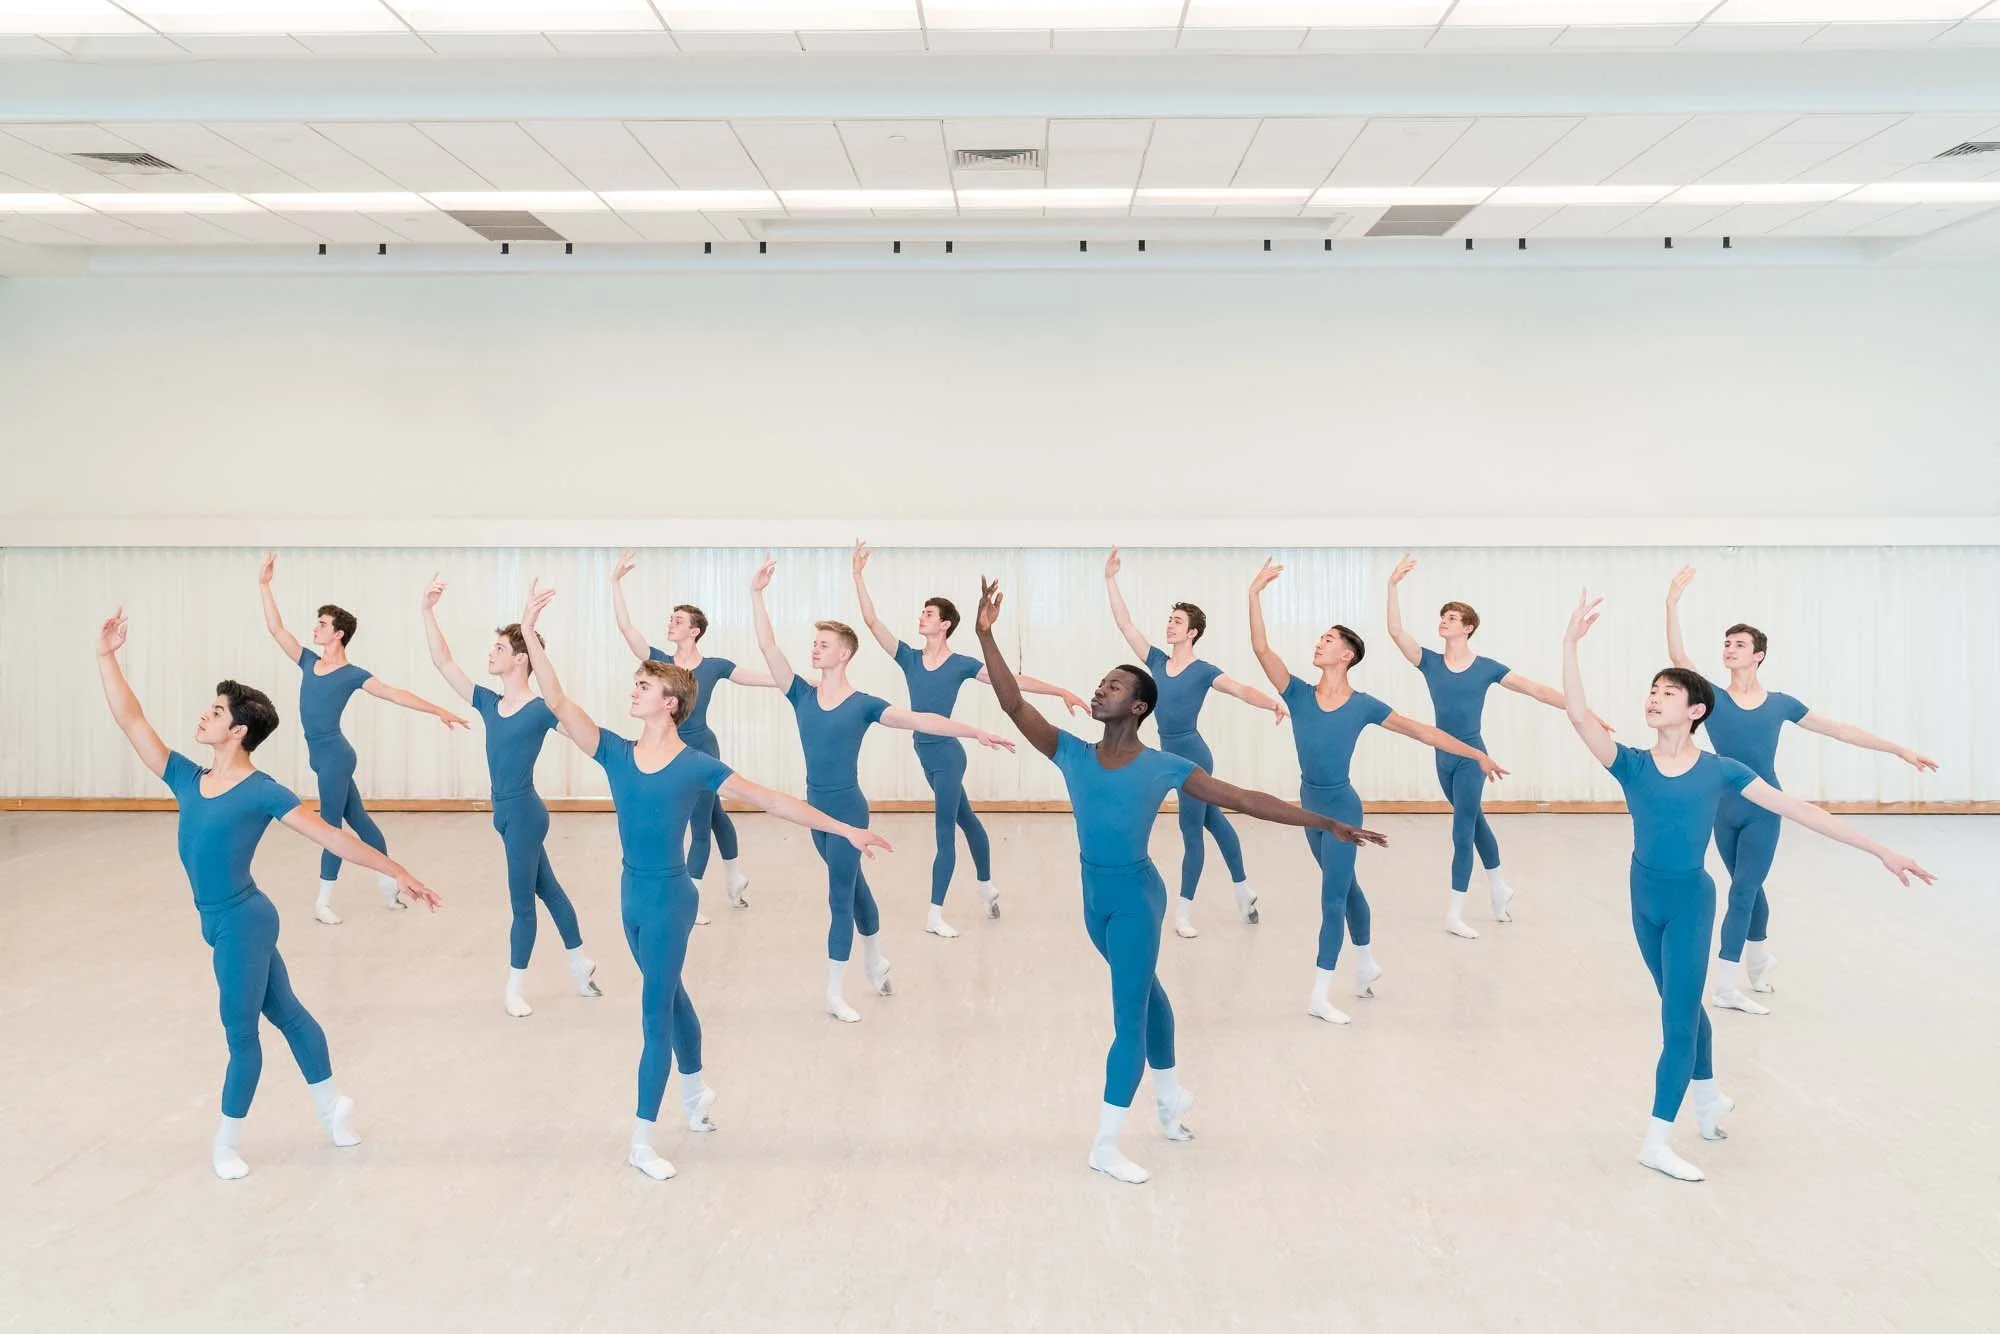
[517, 723]
[685, 629]
[326, 681]
[1745, 727]
[1115, 790]
[224, 808]
[1184, 682]
[656, 787]
[1674, 792]
[1327, 721]
[934, 674]
[1458, 680]
[832, 717]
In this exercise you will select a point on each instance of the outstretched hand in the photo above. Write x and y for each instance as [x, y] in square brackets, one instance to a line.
[111, 635]
[1492, 770]
[624, 566]
[865, 842]
[1402, 570]
[861, 555]
[408, 886]
[1078, 706]
[762, 579]
[1348, 833]
[538, 598]
[989, 604]
[1266, 575]
[1679, 585]
[451, 720]
[1279, 714]
[1112, 564]
[994, 741]
[1582, 618]
[1910, 757]
[1904, 867]
[270, 567]
[433, 592]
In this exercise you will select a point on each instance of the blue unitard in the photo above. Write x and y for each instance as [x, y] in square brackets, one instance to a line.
[831, 739]
[710, 820]
[218, 835]
[1673, 902]
[1124, 899]
[1181, 698]
[935, 690]
[1458, 699]
[513, 743]
[656, 898]
[1747, 835]
[322, 699]
[1325, 739]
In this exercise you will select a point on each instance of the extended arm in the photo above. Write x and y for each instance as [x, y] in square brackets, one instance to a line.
[1040, 732]
[623, 614]
[868, 617]
[1119, 612]
[125, 709]
[273, 622]
[1676, 649]
[347, 847]
[1587, 724]
[750, 676]
[1205, 786]
[1035, 685]
[767, 638]
[1274, 667]
[1438, 739]
[772, 802]
[380, 689]
[1540, 693]
[453, 675]
[1405, 643]
[577, 725]
[1854, 736]
[1812, 817]
[1251, 695]
[936, 724]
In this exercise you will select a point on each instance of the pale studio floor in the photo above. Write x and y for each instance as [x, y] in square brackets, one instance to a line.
[1461, 1157]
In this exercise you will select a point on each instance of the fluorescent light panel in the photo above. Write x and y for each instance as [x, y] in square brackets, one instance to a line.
[527, 15]
[40, 204]
[1014, 15]
[1927, 192]
[692, 201]
[136, 201]
[1389, 196]
[265, 16]
[844, 201]
[1058, 198]
[387, 201]
[1315, 13]
[66, 16]
[1550, 196]
[533, 201]
[1224, 195]
[790, 15]
[1760, 194]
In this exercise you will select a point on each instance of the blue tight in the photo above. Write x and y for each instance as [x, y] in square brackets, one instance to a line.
[709, 819]
[1123, 907]
[1673, 914]
[251, 979]
[1341, 902]
[333, 762]
[850, 903]
[1747, 837]
[1196, 816]
[943, 764]
[1464, 785]
[659, 913]
[523, 823]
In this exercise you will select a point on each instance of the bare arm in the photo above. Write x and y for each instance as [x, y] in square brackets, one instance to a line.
[936, 724]
[1438, 739]
[382, 690]
[750, 676]
[1040, 732]
[1119, 612]
[453, 675]
[767, 638]
[125, 709]
[1205, 786]
[1274, 667]
[1761, 793]
[347, 847]
[1587, 724]
[1854, 736]
[888, 641]
[1405, 643]
[1035, 685]
[1676, 649]
[772, 802]
[623, 614]
[577, 725]
[1251, 695]
[1548, 695]
[273, 622]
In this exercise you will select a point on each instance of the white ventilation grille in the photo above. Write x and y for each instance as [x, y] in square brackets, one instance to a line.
[997, 159]
[126, 164]
[1971, 146]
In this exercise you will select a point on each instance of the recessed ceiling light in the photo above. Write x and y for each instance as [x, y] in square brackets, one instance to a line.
[532, 201]
[387, 201]
[692, 201]
[66, 16]
[1389, 196]
[1927, 192]
[260, 16]
[527, 15]
[789, 15]
[138, 201]
[1563, 195]
[40, 204]
[1000, 15]
[1759, 194]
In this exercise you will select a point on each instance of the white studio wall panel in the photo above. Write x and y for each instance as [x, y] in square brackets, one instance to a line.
[1901, 641]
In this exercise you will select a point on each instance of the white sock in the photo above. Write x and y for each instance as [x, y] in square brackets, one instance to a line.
[1454, 917]
[1498, 890]
[1753, 953]
[583, 972]
[1246, 901]
[517, 1004]
[696, 1099]
[1171, 1101]
[323, 905]
[1184, 918]
[1319, 1007]
[836, 1002]
[1659, 1155]
[735, 882]
[643, 1155]
[937, 926]
[1104, 1154]
[1322, 983]
[1710, 1106]
[1366, 971]
[334, 1111]
[390, 899]
[875, 965]
[229, 1164]
[989, 896]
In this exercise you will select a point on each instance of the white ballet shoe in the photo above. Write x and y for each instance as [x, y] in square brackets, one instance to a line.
[1457, 927]
[229, 1165]
[989, 899]
[1184, 928]
[1664, 1160]
[1246, 902]
[878, 978]
[697, 1111]
[1324, 1010]
[1759, 973]
[1729, 998]
[1709, 1116]
[335, 1123]
[1107, 1159]
[584, 974]
[518, 1006]
[1366, 974]
[1170, 1111]
[839, 1008]
[735, 882]
[324, 914]
[647, 1159]
[392, 894]
[940, 928]
[1501, 897]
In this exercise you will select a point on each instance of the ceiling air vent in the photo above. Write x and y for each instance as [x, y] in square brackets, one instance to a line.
[1971, 146]
[506, 225]
[125, 164]
[997, 159]
[1419, 219]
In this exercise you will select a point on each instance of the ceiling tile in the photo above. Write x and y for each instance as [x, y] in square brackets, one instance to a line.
[1296, 151]
[1096, 152]
[1878, 34]
[1190, 152]
[1366, 39]
[613, 43]
[1918, 219]
[1596, 148]
[1672, 219]
[489, 44]
[1114, 39]
[245, 47]
[1750, 34]
[44, 170]
[889, 154]
[403, 154]
[1503, 220]
[118, 46]
[672, 227]
[1754, 219]
[1590, 220]
[908, 39]
[26, 46]
[262, 229]
[206, 155]
[1496, 149]
[777, 43]
[1836, 219]
[602, 154]
[698, 154]
[1919, 138]
[100, 230]
[503, 153]
[953, 39]
[72, 138]
[798, 155]
[1242, 39]
[300, 152]
[1492, 39]
[365, 45]
[593, 228]
[1396, 151]
[1698, 147]
[1623, 36]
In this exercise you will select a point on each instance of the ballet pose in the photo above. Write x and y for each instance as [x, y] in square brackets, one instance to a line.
[1184, 682]
[327, 680]
[833, 717]
[657, 784]
[517, 723]
[1458, 680]
[934, 674]
[1675, 792]
[1744, 727]
[1327, 721]
[685, 629]
[224, 808]
[1115, 790]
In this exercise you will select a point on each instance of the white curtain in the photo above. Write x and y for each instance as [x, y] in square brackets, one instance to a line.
[1902, 641]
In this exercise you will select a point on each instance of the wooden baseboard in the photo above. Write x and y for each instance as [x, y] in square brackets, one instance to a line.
[593, 805]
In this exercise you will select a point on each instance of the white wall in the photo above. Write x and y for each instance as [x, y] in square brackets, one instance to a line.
[372, 409]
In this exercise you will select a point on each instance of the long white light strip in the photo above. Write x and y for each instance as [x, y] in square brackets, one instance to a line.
[790, 15]
[847, 201]
[1228, 195]
[1000, 15]
[1058, 198]
[1564, 13]
[264, 16]
[137, 201]
[1928, 192]
[1392, 196]
[1558, 196]
[40, 204]
[1760, 194]
[1843, 11]
[530, 201]
[81, 17]
[692, 201]
[387, 201]
[527, 15]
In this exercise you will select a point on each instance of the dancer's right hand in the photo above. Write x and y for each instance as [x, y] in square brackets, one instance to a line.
[1491, 769]
[111, 635]
[865, 841]
[624, 566]
[1348, 833]
[1904, 867]
[538, 598]
[1112, 564]
[1679, 585]
[989, 605]
[270, 567]
[1583, 617]
[418, 892]
[1402, 570]
[1266, 575]
[861, 555]
[433, 592]
[762, 579]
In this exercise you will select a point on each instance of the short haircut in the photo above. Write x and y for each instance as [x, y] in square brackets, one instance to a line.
[343, 621]
[516, 639]
[842, 629]
[250, 709]
[1758, 642]
[1143, 685]
[1353, 642]
[1197, 619]
[946, 613]
[1699, 691]
[679, 682]
[696, 618]
[1466, 615]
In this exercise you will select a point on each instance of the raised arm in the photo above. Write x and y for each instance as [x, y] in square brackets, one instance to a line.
[1676, 649]
[273, 622]
[623, 614]
[1274, 667]
[936, 724]
[125, 710]
[1438, 739]
[347, 847]
[1119, 612]
[888, 641]
[1854, 736]
[1405, 643]
[1205, 786]
[452, 673]
[577, 725]
[1587, 724]
[772, 802]
[1040, 732]
[767, 638]
[396, 695]
[1812, 817]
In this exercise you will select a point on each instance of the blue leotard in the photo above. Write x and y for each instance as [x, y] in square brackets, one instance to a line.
[322, 700]
[1325, 739]
[1746, 835]
[831, 739]
[942, 758]
[513, 744]
[1181, 698]
[1458, 702]
[710, 823]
